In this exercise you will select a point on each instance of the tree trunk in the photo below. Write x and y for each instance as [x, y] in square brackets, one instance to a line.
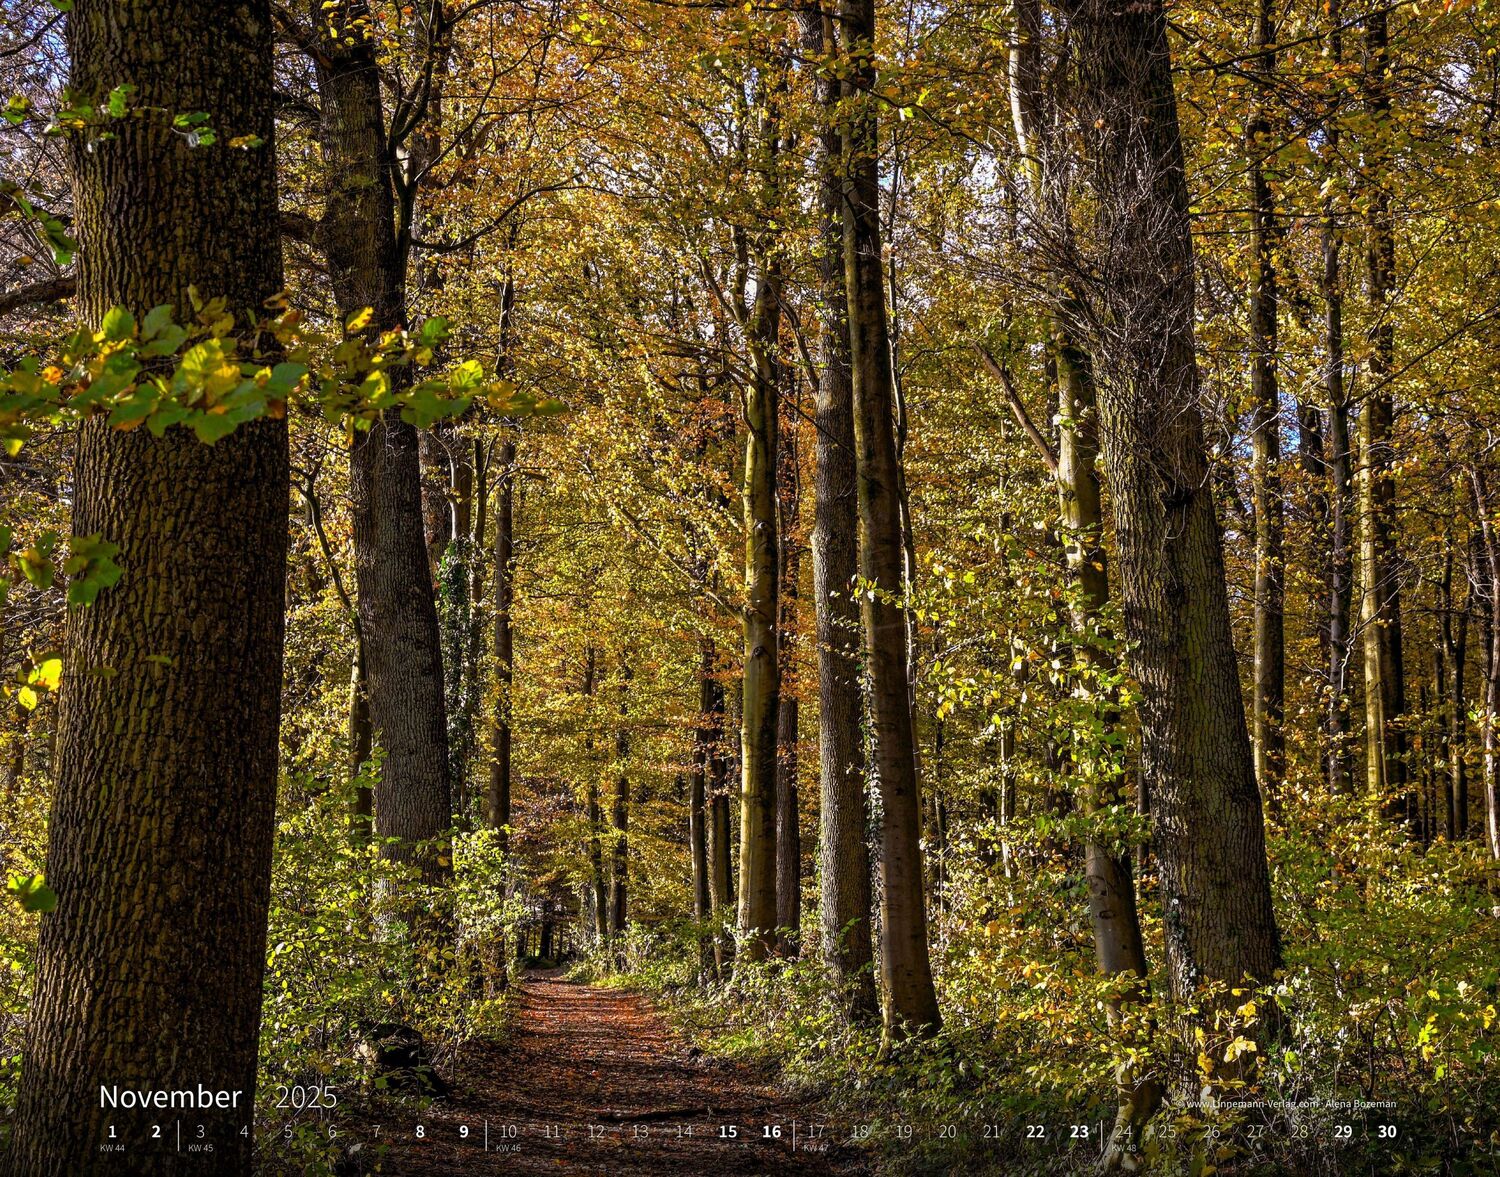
[1196, 758]
[159, 846]
[720, 866]
[1489, 725]
[1380, 608]
[1115, 920]
[910, 1001]
[1455, 639]
[1338, 456]
[361, 742]
[596, 888]
[398, 615]
[1268, 739]
[843, 855]
[762, 685]
[498, 799]
[620, 816]
[698, 788]
[788, 813]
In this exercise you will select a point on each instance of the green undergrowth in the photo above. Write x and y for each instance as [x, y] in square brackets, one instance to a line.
[1379, 1056]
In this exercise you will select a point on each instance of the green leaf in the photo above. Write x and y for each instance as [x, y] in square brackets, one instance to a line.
[118, 103]
[210, 427]
[118, 324]
[157, 320]
[46, 674]
[33, 892]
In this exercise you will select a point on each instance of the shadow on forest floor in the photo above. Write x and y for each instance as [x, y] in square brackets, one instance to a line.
[591, 1081]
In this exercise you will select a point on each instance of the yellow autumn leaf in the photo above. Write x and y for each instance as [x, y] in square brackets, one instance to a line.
[47, 673]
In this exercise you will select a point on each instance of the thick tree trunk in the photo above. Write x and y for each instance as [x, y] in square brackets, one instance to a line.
[910, 1001]
[1195, 749]
[159, 846]
[1268, 739]
[1380, 608]
[844, 864]
[398, 615]
[1113, 913]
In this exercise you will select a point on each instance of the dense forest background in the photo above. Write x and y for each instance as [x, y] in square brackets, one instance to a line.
[958, 543]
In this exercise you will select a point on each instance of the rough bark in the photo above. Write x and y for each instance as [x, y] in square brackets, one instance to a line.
[1114, 918]
[843, 854]
[909, 999]
[398, 614]
[1196, 758]
[149, 970]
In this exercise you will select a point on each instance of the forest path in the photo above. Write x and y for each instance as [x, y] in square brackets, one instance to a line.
[592, 1081]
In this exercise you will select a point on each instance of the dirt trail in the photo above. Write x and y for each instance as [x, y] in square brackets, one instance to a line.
[591, 1081]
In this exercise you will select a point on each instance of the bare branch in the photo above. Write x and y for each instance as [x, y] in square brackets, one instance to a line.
[38, 293]
[1018, 409]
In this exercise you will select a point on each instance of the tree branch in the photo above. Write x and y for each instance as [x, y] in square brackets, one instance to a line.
[38, 293]
[1018, 409]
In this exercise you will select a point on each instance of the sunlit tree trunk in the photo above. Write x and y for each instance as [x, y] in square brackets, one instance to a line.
[1195, 750]
[844, 866]
[761, 698]
[1489, 722]
[148, 972]
[596, 892]
[620, 816]
[910, 1000]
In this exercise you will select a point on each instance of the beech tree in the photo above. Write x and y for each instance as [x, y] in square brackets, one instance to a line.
[910, 1001]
